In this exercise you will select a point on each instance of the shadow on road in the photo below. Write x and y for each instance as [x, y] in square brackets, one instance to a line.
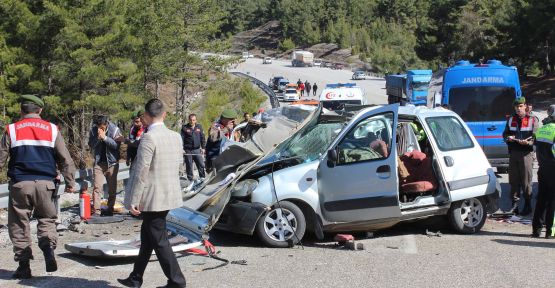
[48, 281]
[546, 244]
[493, 233]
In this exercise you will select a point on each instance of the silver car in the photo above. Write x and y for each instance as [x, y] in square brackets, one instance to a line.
[349, 170]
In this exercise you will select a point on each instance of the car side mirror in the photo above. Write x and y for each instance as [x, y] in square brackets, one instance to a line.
[332, 158]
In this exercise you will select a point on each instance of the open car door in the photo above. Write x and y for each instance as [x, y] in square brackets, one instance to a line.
[358, 179]
[462, 162]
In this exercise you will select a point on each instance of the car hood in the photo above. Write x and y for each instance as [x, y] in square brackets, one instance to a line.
[202, 208]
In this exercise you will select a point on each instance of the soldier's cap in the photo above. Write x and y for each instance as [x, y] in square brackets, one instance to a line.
[32, 99]
[519, 100]
[229, 114]
[138, 114]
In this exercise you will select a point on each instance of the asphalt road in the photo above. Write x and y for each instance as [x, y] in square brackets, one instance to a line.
[373, 88]
[501, 255]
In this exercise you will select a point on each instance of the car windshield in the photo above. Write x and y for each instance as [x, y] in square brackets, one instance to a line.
[291, 91]
[339, 104]
[486, 103]
[307, 144]
[420, 86]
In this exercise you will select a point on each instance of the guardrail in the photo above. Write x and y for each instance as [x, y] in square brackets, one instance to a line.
[269, 91]
[83, 178]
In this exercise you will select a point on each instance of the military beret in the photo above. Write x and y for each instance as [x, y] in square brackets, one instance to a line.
[138, 114]
[229, 114]
[519, 100]
[33, 99]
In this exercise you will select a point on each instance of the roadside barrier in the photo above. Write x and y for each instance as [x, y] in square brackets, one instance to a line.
[269, 91]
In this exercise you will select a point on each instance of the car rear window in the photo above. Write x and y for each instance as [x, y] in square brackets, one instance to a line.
[449, 133]
[487, 103]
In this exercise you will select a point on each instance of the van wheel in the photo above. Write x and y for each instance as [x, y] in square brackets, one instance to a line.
[467, 216]
[283, 226]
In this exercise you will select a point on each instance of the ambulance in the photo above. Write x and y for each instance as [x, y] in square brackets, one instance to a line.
[335, 96]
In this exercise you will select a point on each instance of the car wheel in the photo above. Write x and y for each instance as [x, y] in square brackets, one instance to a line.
[467, 216]
[283, 226]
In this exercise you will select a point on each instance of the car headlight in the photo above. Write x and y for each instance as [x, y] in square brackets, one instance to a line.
[244, 188]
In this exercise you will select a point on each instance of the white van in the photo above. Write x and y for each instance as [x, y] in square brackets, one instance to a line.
[334, 96]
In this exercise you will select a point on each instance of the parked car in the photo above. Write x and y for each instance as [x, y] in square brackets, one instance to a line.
[291, 93]
[267, 60]
[282, 84]
[327, 64]
[359, 75]
[275, 82]
[317, 63]
[337, 66]
[351, 170]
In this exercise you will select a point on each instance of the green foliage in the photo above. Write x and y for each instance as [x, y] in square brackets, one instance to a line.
[394, 34]
[102, 57]
[286, 44]
[235, 93]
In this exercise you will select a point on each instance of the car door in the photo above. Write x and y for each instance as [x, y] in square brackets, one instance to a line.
[357, 179]
[462, 162]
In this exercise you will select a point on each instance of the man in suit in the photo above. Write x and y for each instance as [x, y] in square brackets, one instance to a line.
[153, 190]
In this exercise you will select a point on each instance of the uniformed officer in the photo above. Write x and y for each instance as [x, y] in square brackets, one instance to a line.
[35, 148]
[518, 134]
[221, 129]
[545, 151]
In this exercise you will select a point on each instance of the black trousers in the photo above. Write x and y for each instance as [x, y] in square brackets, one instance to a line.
[154, 237]
[190, 156]
[546, 200]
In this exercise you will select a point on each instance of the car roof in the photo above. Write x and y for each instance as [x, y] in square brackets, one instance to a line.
[418, 111]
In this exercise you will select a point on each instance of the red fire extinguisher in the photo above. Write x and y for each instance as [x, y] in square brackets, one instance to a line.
[84, 204]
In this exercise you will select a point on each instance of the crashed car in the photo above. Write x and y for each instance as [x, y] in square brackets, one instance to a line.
[359, 169]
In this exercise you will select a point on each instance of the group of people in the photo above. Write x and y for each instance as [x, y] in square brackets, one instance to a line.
[37, 153]
[306, 86]
[521, 135]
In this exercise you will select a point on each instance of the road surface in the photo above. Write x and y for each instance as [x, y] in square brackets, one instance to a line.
[374, 88]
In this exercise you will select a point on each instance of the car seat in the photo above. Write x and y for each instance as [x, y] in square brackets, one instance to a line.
[420, 176]
[377, 145]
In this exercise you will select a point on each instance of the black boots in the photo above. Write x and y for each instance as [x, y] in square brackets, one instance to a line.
[131, 281]
[49, 259]
[23, 271]
[514, 208]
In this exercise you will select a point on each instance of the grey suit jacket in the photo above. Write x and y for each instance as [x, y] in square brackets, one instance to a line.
[154, 181]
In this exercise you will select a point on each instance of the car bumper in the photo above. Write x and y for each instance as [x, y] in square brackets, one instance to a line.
[240, 217]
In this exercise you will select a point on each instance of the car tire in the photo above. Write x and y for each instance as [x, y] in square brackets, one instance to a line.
[277, 234]
[467, 216]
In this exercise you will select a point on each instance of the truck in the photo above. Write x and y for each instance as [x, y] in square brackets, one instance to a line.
[335, 96]
[482, 94]
[410, 88]
[302, 59]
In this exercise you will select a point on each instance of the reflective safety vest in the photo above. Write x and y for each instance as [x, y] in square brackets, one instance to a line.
[545, 146]
[522, 132]
[32, 155]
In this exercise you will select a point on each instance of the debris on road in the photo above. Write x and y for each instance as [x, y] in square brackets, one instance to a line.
[433, 234]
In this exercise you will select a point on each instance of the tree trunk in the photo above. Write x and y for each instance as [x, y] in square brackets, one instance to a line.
[157, 87]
